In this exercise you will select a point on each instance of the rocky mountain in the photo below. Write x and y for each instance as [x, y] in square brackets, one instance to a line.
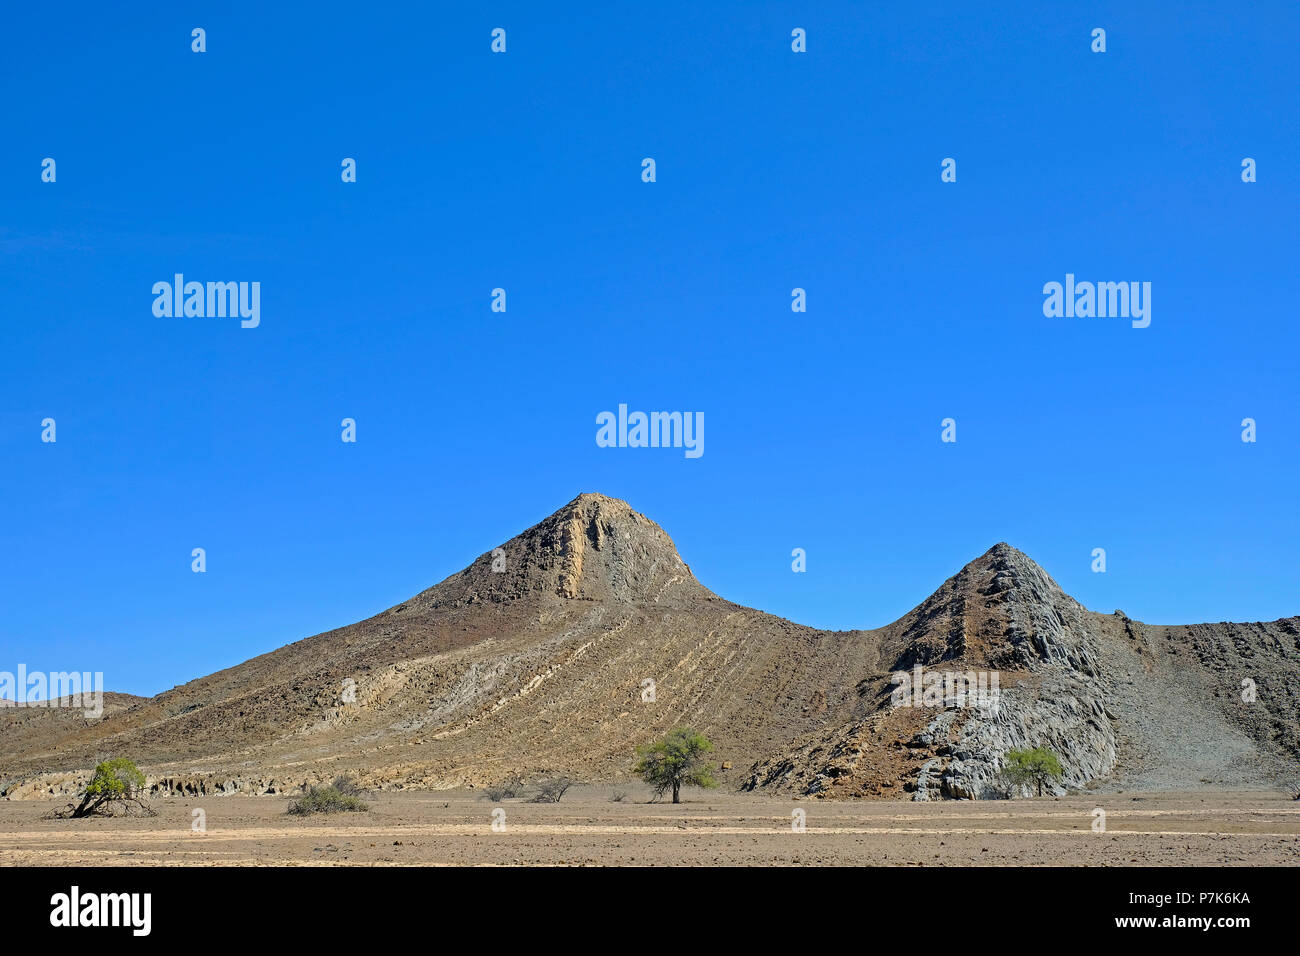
[1000, 615]
[26, 728]
[586, 635]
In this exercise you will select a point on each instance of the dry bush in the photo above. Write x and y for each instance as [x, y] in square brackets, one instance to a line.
[550, 791]
[505, 790]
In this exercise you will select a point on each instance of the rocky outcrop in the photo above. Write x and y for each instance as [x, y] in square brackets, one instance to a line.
[1063, 714]
[1000, 620]
[594, 549]
[1060, 704]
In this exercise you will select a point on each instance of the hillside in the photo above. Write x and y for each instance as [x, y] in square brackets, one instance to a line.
[541, 667]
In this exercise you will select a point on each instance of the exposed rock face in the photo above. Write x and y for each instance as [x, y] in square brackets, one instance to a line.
[1087, 686]
[1062, 714]
[586, 635]
[593, 549]
[1030, 625]
[1004, 618]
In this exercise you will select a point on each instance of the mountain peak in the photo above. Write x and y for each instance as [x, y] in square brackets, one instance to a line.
[1012, 568]
[1001, 609]
[1004, 553]
[596, 498]
[594, 548]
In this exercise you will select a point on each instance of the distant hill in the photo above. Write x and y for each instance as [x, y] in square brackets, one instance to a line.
[538, 658]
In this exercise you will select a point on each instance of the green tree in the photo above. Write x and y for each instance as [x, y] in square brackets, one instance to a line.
[1034, 767]
[676, 761]
[117, 781]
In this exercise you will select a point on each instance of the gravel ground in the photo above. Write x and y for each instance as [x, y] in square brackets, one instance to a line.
[1232, 828]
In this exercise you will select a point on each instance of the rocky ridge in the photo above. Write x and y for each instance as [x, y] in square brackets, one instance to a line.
[586, 635]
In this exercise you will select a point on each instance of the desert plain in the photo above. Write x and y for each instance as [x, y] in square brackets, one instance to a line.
[1235, 828]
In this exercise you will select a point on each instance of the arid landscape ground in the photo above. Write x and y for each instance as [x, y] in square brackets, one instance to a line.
[710, 829]
[586, 636]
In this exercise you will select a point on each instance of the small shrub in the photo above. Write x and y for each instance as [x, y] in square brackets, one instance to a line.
[550, 791]
[506, 790]
[618, 796]
[327, 800]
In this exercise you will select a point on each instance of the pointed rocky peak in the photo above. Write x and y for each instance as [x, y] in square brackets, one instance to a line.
[1003, 568]
[1001, 610]
[595, 548]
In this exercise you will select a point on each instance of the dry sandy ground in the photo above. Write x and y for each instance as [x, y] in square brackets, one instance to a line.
[1239, 829]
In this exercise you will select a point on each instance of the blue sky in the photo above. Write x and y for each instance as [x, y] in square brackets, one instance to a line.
[775, 170]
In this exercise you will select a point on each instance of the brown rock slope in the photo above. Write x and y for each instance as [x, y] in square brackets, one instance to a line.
[542, 667]
[24, 729]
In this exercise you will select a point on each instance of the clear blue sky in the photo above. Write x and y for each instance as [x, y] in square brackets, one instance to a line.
[523, 171]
